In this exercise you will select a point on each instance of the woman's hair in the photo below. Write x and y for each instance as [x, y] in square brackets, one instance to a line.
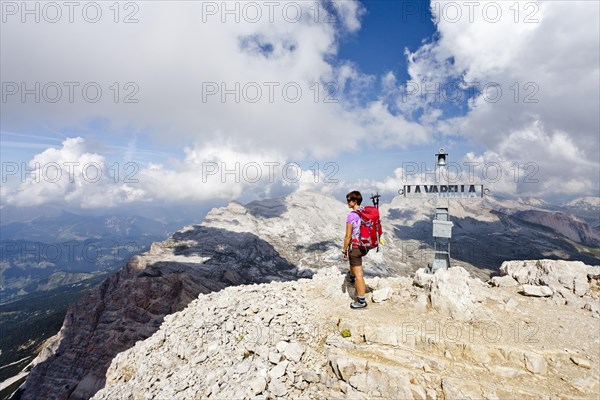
[354, 196]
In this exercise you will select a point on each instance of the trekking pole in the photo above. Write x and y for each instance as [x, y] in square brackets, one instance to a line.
[375, 199]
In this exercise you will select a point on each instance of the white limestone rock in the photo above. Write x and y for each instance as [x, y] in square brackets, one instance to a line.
[294, 351]
[588, 384]
[536, 291]
[535, 363]
[277, 388]
[503, 281]
[582, 362]
[275, 357]
[450, 293]
[381, 295]
[279, 370]
[301, 353]
[422, 278]
[310, 376]
[572, 275]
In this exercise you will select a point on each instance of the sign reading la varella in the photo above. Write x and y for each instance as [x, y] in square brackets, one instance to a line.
[443, 191]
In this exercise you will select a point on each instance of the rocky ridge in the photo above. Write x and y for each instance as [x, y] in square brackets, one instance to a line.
[131, 304]
[441, 336]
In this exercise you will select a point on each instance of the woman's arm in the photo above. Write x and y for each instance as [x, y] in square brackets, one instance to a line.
[347, 238]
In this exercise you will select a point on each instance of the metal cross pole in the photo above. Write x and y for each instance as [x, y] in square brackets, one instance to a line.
[442, 226]
[442, 192]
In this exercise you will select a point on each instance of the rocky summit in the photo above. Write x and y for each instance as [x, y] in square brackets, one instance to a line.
[252, 303]
[441, 336]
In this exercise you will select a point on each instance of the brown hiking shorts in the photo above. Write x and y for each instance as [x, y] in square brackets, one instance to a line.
[356, 255]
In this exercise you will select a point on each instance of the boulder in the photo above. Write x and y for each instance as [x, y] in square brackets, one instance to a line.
[503, 281]
[450, 293]
[381, 295]
[536, 291]
[422, 278]
[556, 274]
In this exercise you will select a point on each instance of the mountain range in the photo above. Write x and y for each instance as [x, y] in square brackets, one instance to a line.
[284, 239]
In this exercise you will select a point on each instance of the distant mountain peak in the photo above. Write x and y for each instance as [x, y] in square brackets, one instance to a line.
[584, 202]
[532, 201]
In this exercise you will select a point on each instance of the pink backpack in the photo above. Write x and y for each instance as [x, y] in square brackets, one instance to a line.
[370, 228]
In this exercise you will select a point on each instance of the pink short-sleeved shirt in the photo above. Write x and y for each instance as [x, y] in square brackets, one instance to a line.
[354, 219]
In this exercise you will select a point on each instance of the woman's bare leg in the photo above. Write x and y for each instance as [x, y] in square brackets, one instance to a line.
[360, 280]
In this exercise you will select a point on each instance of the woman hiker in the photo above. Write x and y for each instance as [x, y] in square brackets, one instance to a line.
[353, 252]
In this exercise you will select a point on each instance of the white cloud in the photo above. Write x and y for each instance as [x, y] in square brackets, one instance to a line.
[349, 12]
[70, 176]
[180, 50]
[548, 74]
[73, 176]
[257, 81]
[388, 130]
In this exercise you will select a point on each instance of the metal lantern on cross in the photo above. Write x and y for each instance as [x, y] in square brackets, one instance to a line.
[441, 158]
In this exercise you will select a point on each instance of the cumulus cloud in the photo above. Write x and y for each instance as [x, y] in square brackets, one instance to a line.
[230, 84]
[532, 70]
[258, 73]
[69, 175]
[74, 176]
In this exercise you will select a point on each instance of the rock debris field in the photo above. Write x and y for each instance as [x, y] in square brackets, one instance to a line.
[532, 333]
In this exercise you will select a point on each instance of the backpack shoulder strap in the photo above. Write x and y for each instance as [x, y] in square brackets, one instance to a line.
[360, 214]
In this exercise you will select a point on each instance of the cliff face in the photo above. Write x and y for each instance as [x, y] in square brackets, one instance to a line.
[131, 305]
[566, 225]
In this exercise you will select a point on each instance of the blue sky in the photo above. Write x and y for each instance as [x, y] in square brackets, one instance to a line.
[374, 54]
[388, 28]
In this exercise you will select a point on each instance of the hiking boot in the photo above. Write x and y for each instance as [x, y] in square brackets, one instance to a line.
[358, 304]
[350, 278]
